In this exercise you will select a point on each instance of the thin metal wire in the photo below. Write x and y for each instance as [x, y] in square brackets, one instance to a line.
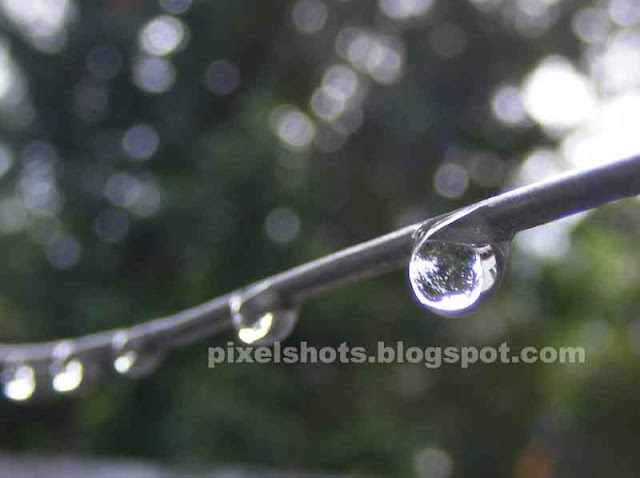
[496, 219]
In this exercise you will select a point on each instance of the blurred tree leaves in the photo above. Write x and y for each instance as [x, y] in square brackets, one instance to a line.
[218, 172]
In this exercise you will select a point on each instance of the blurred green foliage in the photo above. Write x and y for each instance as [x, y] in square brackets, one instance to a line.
[220, 170]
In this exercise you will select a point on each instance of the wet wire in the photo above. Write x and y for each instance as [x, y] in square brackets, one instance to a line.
[496, 219]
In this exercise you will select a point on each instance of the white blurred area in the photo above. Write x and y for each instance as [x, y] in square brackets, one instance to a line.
[42, 22]
[36, 204]
[404, 9]
[293, 127]
[380, 56]
[15, 104]
[557, 96]
[158, 39]
[163, 35]
[433, 463]
[68, 466]
[588, 108]
[370, 57]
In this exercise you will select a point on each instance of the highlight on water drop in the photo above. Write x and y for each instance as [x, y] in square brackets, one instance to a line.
[18, 381]
[67, 373]
[133, 360]
[451, 278]
[257, 326]
[125, 357]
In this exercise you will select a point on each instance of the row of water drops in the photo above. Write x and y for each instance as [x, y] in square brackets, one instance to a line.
[67, 372]
[448, 278]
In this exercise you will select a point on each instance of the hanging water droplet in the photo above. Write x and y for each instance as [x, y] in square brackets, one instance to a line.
[133, 361]
[450, 278]
[18, 381]
[67, 373]
[255, 326]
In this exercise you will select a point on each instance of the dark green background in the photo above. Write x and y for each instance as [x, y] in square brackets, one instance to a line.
[221, 170]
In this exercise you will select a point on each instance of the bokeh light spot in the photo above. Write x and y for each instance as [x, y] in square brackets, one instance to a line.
[64, 252]
[591, 25]
[222, 77]
[154, 75]
[141, 141]
[403, 9]
[111, 225]
[557, 96]
[294, 128]
[310, 16]
[282, 225]
[433, 463]
[507, 107]
[175, 7]
[162, 35]
[451, 180]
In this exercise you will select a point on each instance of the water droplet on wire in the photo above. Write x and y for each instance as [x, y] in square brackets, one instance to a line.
[66, 371]
[18, 382]
[451, 278]
[133, 360]
[255, 326]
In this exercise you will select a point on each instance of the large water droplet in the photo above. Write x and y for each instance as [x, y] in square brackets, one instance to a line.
[18, 382]
[67, 372]
[133, 360]
[255, 326]
[450, 278]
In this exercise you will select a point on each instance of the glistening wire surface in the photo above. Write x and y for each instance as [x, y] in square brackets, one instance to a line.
[493, 220]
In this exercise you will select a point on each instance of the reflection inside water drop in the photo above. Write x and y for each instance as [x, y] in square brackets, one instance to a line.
[134, 361]
[67, 373]
[450, 278]
[19, 382]
[446, 276]
[256, 327]
[124, 362]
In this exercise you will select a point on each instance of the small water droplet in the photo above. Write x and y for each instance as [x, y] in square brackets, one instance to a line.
[450, 278]
[255, 326]
[18, 381]
[67, 372]
[133, 360]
